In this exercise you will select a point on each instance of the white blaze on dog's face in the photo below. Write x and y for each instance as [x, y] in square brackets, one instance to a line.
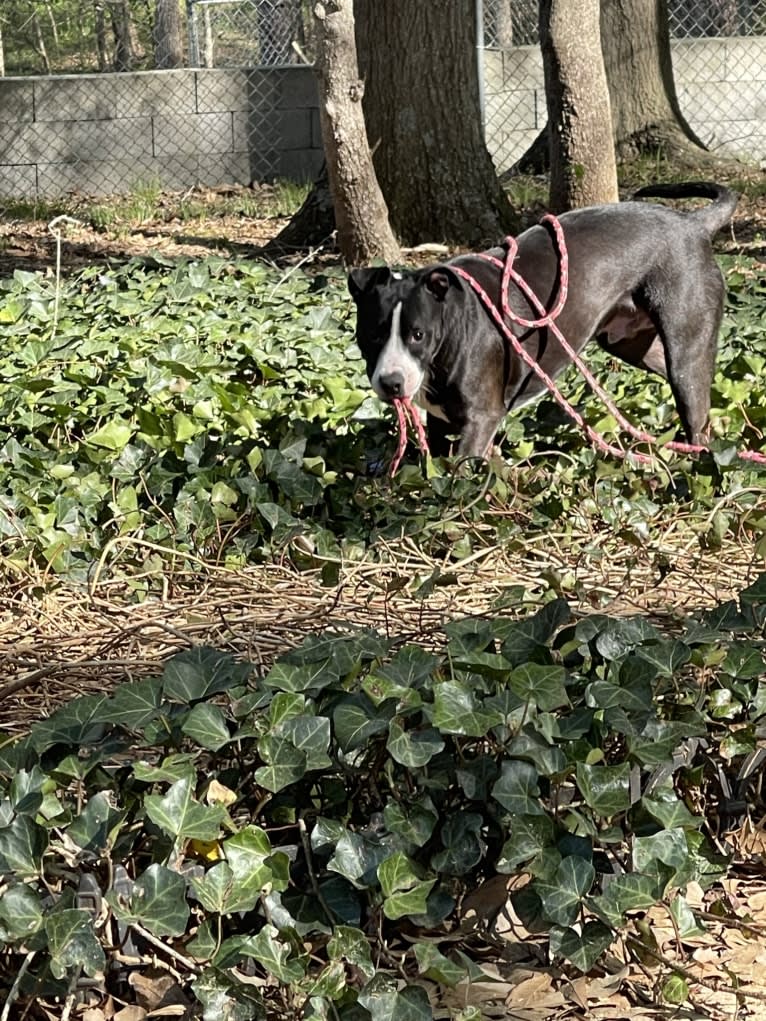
[397, 372]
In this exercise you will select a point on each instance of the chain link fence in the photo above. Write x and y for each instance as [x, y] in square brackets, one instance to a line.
[232, 98]
[719, 63]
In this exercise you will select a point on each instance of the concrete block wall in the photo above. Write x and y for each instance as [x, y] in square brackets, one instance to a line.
[721, 87]
[109, 133]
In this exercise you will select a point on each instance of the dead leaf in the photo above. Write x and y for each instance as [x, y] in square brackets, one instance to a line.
[130, 1014]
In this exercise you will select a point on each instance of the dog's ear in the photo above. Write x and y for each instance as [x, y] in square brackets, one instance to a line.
[438, 282]
[360, 281]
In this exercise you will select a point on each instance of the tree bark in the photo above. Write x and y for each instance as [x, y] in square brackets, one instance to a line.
[635, 39]
[100, 29]
[503, 24]
[361, 215]
[583, 167]
[127, 47]
[424, 121]
[167, 35]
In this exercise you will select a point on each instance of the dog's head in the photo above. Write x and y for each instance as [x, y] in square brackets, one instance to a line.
[399, 324]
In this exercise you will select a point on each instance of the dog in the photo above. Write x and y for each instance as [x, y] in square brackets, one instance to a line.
[642, 282]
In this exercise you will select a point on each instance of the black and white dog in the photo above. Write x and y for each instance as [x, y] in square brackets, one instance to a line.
[642, 281]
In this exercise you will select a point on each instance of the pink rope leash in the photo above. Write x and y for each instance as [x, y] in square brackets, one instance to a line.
[407, 414]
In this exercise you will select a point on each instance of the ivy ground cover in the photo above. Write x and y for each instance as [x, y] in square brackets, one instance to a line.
[302, 839]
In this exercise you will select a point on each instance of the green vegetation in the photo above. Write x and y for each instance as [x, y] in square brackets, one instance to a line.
[290, 825]
[298, 839]
[221, 410]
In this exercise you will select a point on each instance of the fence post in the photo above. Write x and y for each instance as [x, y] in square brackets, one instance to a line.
[191, 22]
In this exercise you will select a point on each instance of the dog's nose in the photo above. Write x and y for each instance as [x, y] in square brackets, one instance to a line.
[392, 384]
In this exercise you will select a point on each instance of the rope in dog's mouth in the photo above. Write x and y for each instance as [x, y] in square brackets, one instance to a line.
[407, 414]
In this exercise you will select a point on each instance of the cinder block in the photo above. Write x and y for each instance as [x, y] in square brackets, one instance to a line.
[516, 109]
[743, 138]
[151, 93]
[494, 78]
[195, 134]
[18, 182]
[300, 165]
[746, 59]
[316, 130]
[723, 101]
[296, 87]
[295, 130]
[258, 128]
[523, 67]
[17, 100]
[223, 89]
[508, 147]
[698, 60]
[70, 141]
[225, 168]
[74, 98]
[18, 143]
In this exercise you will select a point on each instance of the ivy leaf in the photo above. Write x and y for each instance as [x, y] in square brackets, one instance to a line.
[158, 902]
[541, 686]
[206, 725]
[405, 893]
[73, 944]
[562, 895]
[274, 955]
[387, 1003]
[463, 846]
[357, 859]
[583, 948]
[434, 965]
[606, 789]
[632, 892]
[413, 748]
[356, 720]
[133, 704]
[517, 790]
[310, 735]
[178, 814]
[21, 911]
[456, 711]
[285, 764]
[196, 673]
[22, 845]
[530, 834]
[77, 725]
[92, 829]
[350, 944]
[667, 656]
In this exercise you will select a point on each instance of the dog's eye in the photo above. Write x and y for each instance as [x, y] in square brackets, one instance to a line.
[417, 336]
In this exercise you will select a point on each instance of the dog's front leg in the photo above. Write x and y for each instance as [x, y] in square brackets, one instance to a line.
[478, 434]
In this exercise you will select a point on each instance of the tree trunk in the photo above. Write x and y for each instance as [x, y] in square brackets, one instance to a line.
[361, 215]
[635, 38]
[100, 28]
[583, 168]
[127, 46]
[167, 35]
[424, 122]
[503, 24]
[40, 43]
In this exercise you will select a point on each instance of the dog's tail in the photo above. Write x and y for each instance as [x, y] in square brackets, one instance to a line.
[714, 216]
